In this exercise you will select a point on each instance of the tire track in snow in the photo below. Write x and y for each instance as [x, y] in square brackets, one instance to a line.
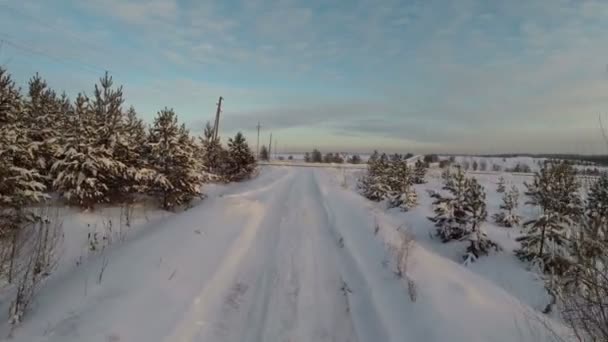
[196, 319]
[291, 275]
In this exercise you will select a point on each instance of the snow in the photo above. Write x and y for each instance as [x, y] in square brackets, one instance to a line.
[291, 255]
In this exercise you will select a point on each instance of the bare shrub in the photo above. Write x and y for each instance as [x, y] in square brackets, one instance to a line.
[411, 289]
[34, 258]
[104, 264]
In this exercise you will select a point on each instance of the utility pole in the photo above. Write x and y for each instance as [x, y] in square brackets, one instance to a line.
[217, 118]
[257, 149]
[270, 147]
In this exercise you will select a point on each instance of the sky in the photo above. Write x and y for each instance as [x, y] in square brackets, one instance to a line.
[470, 76]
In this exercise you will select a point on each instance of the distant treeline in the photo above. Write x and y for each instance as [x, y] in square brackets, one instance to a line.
[599, 159]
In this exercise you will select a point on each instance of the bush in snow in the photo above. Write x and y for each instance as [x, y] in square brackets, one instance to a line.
[240, 159]
[173, 157]
[508, 217]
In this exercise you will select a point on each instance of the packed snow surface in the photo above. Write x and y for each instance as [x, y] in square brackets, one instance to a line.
[293, 255]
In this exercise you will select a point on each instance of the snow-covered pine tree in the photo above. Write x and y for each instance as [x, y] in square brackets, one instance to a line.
[450, 215]
[83, 168]
[241, 160]
[110, 132]
[20, 182]
[264, 153]
[547, 239]
[177, 178]
[419, 172]
[316, 156]
[594, 232]
[131, 150]
[475, 208]
[42, 118]
[400, 180]
[501, 185]
[374, 184]
[213, 153]
[508, 216]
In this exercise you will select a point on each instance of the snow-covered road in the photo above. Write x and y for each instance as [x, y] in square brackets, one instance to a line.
[260, 262]
[289, 256]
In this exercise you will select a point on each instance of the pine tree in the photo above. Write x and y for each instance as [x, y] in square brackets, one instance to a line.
[475, 209]
[109, 132]
[450, 215]
[400, 180]
[419, 172]
[264, 153]
[546, 241]
[316, 156]
[501, 185]
[374, 185]
[20, 182]
[307, 157]
[82, 170]
[42, 121]
[595, 228]
[242, 162]
[212, 152]
[177, 178]
[354, 159]
[130, 150]
[508, 217]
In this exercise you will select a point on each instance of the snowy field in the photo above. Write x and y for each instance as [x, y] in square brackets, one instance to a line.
[292, 255]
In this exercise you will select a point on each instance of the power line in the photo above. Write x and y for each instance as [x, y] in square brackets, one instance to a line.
[61, 60]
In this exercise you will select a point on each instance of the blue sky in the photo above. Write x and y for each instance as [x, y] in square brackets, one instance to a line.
[470, 76]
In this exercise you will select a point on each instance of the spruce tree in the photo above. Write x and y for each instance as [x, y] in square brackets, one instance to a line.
[177, 179]
[508, 217]
[241, 160]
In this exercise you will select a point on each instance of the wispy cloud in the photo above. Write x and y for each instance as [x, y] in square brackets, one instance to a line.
[467, 75]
